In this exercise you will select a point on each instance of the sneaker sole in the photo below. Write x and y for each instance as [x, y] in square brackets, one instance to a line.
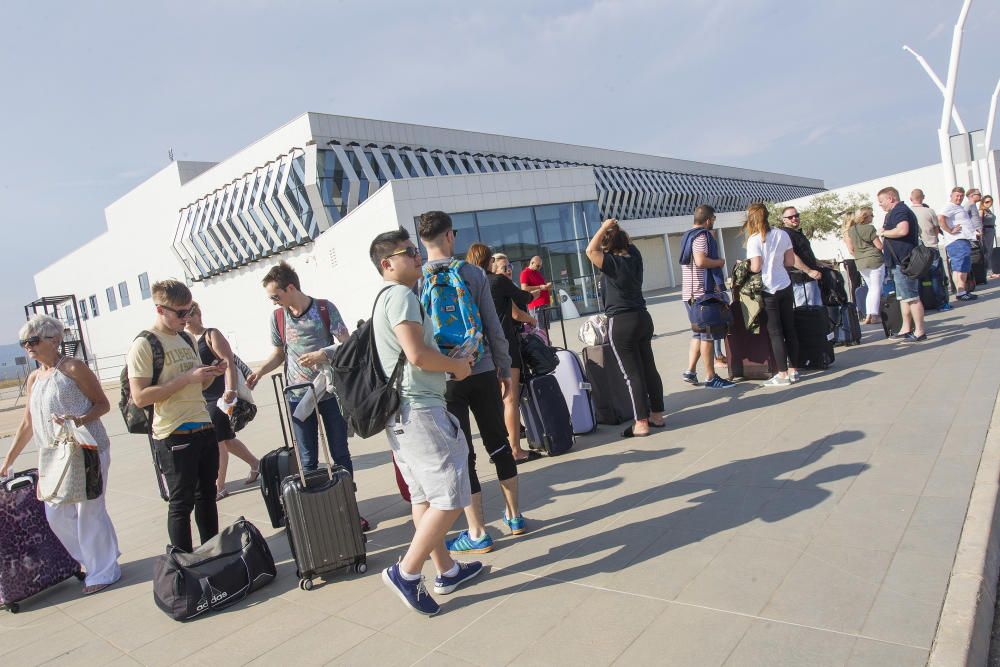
[388, 582]
[519, 531]
[451, 589]
[484, 550]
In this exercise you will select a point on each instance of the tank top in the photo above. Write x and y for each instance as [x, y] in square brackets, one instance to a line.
[215, 390]
[59, 394]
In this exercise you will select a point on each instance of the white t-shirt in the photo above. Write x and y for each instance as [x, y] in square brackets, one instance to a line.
[956, 215]
[772, 254]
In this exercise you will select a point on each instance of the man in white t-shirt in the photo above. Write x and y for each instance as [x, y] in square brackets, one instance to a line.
[958, 232]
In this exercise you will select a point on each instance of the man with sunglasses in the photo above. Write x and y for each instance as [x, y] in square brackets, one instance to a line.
[184, 443]
[806, 271]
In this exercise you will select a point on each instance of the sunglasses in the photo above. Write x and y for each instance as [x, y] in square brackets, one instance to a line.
[791, 217]
[33, 341]
[179, 312]
[409, 251]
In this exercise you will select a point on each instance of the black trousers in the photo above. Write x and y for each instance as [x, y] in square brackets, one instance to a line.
[780, 309]
[631, 335]
[190, 465]
[481, 394]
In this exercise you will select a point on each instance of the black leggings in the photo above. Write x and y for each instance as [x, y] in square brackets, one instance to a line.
[481, 394]
[631, 334]
[780, 309]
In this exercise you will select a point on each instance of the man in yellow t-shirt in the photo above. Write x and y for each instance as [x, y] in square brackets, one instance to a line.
[184, 443]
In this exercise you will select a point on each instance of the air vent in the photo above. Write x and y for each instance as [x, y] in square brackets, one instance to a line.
[333, 258]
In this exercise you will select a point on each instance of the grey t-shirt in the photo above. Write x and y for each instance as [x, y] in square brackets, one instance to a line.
[305, 334]
[419, 388]
[495, 351]
[927, 219]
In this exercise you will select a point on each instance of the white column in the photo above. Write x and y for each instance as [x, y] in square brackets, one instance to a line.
[670, 260]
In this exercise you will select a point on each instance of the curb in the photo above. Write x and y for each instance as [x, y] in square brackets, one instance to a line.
[963, 632]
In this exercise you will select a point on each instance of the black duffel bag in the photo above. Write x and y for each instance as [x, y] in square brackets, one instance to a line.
[219, 573]
[536, 356]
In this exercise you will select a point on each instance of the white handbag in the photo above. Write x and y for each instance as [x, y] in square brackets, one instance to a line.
[595, 330]
[62, 473]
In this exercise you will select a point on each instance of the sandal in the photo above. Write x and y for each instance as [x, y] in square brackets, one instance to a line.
[253, 476]
[96, 588]
[662, 424]
[532, 455]
[221, 494]
[629, 433]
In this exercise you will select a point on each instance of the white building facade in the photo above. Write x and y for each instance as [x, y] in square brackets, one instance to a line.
[317, 190]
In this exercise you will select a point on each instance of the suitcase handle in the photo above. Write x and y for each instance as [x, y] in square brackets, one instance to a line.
[17, 480]
[321, 432]
[279, 383]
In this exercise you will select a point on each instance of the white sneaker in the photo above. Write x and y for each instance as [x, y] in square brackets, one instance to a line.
[793, 376]
[777, 381]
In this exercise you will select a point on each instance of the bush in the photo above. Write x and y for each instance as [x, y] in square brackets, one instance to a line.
[824, 213]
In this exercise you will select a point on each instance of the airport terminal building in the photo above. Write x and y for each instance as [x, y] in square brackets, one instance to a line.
[317, 190]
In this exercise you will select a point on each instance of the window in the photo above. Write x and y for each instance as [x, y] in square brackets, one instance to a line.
[512, 229]
[144, 285]
[83, 309]
[123, 293]
[68, 315]
[560, 222]
[112, 303]
[93, 305]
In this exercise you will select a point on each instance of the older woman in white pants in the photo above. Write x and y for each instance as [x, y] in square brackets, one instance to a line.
[863, 242]
[61, 389]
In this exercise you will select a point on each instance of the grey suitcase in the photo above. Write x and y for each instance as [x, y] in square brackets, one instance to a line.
[321, 517]
[612, 404]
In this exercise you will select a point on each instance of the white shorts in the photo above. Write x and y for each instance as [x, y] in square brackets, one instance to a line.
[432, 455]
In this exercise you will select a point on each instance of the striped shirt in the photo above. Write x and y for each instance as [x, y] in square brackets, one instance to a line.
[693, 277]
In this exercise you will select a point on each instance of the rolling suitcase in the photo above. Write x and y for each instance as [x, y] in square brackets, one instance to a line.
[32, 558]
[748, 355]
[576, 391]
[892, 316]
[321, 516]
[546, 418]
[816, 335]
[847, 325]
[278, 463]
[860, 299]
[978, 264]
[607, 385]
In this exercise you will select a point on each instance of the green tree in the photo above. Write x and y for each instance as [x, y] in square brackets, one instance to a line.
[825, 212]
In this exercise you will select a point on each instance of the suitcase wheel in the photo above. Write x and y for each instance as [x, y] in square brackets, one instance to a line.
[12, 607]
[306, 584]
[360, 568]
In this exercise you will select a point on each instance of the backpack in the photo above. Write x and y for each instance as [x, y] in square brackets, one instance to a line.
[140, 420]
[368, 400]
[324, 315]
[453, 310]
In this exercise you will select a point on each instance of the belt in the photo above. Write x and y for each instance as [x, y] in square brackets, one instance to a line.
[189, 431]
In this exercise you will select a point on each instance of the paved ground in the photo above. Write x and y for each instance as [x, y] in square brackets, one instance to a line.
[810, 525]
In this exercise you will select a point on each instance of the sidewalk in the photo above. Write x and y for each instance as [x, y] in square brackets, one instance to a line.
[809, 525]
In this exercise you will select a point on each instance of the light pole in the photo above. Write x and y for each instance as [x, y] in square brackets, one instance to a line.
[944, 138]
[940, 86]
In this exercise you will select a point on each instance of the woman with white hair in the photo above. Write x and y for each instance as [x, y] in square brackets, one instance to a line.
[62, 389]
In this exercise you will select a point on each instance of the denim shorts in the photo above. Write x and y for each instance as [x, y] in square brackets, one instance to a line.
[960, 255]
[711, 334]
[907, 289]
[432, 456]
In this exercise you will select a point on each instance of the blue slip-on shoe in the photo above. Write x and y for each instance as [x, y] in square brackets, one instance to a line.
[464, 544]
[413, 593]
[718, 383]
[945, 306]
[690, 377]
[516, 524]
[444, 584]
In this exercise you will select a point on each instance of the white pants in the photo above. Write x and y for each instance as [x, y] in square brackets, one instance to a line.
[85, 529]
[874, 279]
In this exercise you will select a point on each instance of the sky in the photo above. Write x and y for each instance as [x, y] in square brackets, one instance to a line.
[96, 93]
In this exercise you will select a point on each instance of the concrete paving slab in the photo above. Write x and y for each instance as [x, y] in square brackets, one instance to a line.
[811, 525]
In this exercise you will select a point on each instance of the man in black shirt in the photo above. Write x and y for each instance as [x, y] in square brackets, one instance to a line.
[806, 272]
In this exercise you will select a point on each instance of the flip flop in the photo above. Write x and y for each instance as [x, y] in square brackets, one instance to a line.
[628, 433]
[253, 476]
[221, 494]
[532, 456]
[655, 425]
[96, 588]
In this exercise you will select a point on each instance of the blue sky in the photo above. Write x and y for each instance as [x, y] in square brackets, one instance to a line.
[96, 93]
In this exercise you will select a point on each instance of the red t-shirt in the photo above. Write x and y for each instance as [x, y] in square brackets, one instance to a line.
[534, 278]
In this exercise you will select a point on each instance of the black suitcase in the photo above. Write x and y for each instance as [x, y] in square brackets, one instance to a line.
[892, 316]
[978, 264]
[278, 463]
[815, 333]
[847, 325]
[607, 385]
[321, 516]
[547, 422]
[748, 355]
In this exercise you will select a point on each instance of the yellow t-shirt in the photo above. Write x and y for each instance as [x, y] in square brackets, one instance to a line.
[188, 404]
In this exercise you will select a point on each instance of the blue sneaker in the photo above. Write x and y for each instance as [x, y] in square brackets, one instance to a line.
[444, 585]
[463, 544]
[718, 383]
[413, 593]
[946, 306]
[690, 377]
[516, 524]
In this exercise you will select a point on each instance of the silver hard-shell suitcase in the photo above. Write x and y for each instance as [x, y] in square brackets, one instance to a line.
[322, 518]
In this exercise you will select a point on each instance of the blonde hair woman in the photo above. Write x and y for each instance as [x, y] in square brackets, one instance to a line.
[61, 389]
[770, 254]
[862, 240]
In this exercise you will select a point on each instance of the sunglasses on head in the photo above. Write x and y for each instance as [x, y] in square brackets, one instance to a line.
[32, 341]
[179, 312]
[409, 251]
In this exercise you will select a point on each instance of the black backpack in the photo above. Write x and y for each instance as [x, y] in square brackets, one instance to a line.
[367, 398]
[140, 420]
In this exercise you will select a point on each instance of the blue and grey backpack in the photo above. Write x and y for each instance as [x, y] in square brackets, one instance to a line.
[446, 298]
